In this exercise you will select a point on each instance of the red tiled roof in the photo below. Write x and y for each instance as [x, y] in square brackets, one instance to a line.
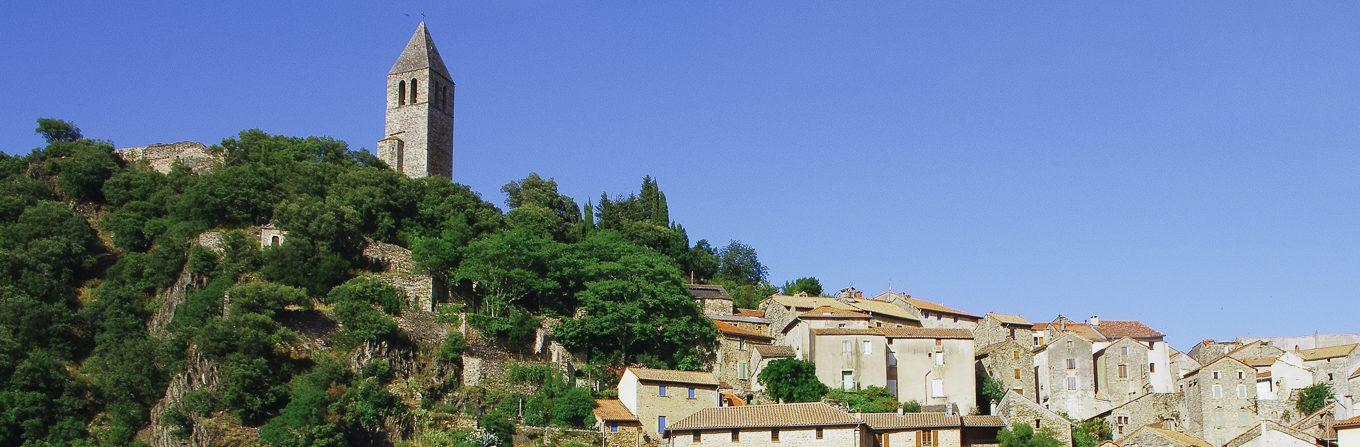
[731, 329]
[937, 307]
[1347, 423]
[1082, 330]
[1126, 328]
[1355, 374]
[922, 332]
[748, 312]
[612, 410]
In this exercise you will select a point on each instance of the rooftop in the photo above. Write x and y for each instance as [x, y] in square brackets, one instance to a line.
[894, 421]
[1328, 352]
[708, 292]
[734, 330]
[669, 375]
[847, 331]
[612, 410]
[922, 332]
[1010, 319]
[1113, 329]
[1177, 438]
[1347, 423]
[926, 305]
[756, 313]
[813, 414]
[831, 312]
[420, 53]
[774, 351]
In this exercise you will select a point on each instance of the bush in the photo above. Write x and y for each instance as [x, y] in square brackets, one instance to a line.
[368, 289]
[791, 380]
[873, 399]
[1022, 435]
[574, 408]
[515, 326]
[911, 406]
[1313, 398]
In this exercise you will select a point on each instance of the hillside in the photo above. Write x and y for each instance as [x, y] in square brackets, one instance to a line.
[140, 306]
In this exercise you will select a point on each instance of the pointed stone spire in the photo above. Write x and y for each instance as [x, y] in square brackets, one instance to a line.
[420, 53]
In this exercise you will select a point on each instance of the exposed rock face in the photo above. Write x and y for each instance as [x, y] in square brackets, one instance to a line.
[195, 156]
[199, 372]
[170, 299]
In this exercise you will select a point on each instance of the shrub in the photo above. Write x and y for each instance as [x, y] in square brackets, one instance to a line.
[791, 380]
[873, 399]
[911, 406]
[1313, 398]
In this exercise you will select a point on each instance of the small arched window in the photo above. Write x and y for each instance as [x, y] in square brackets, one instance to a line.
[274, 241]
[414, 90]
[401, 93]
[401, 156]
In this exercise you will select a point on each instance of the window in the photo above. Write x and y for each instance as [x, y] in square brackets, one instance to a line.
[613, 426]
[847, 380]
[1152, 367]
[868, 347]
[401, 93]
[660, 424]
[1012, 333]
[927, 437]
[741, 345]
[1218, 391]
[691, 392]
[939, 358]
[414, 89]
[1217, 375]
[274, 241]
[1120, 423]
[1123, 371]
[661, 390]
[937, 388]
[774, 435]
[819, 433]
[1071, 363]
[1123, 350]
[1241, 375]
[1218, 418]
[694, 436]
[736, 435]
[742, 373]
[845, 347]
[1069, 345]
[1037, 423]
[1015, 355]
[1329, 375]
[1071, 382]
[1017, 374]
[939, 342]
[1241, 391]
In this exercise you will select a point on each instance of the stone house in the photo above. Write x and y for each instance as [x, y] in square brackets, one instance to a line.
[931, 314]
[932, 366]
[915, 429]
[1220, 400]
[798, 331]
[1009, 362]
[271, 236]
[1123, 371]
[618, 427]
[1154, 436]
[748, 322]
[659, 397]
[1016, 409]
[1320, 424]
[1353, 385]
[1182, 363]
[1278, 376]
[761, 356]
[732, 364]
[712, 298]
[1065, 369]
[802, 424]
[1272, 434]
[1332, 365]
[1151, 408]
[1209, 350]
[995, 328]
[849, 358]
[1160, 378]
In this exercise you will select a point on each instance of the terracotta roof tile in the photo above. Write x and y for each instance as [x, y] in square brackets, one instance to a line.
[1178, 438]
[613, 410]
[669, 375]
[813, 414]
[847, 331]
[922, 332]
[757, 313]
[1113, 329]
[774, 351]
[831, 312]
[1348, 423]
[885, 308]
[937, 307]
[1082, 330]
[894, 421]
[1009, 319]
[983, 421]
[1355, 374]
[733, 330]
[738, 319]
[1328, 352]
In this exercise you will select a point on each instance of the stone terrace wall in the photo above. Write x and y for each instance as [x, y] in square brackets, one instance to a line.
[195, 156]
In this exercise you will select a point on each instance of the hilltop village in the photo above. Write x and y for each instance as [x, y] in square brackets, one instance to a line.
[288, 291]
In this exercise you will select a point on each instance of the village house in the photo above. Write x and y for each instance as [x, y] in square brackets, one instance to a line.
[761, 356]
[732, 363]
[1208, 350]
[1016, 409]
[933, 366]
[1011, 363]
[782, 310]
[1065, 369]
[797, 332]
[658, 397]
[931, 429]
[712, 298]
[1332, 364]
[801, 424]
[1122, 371]
[1151, 408]
[1348, 432]
[850, 359]
[995, 328]
[1277, 376]
[1160, 378]
[617, 425]
[1153, 436]
[1272, 434]
[1220, 399]
[930, 314]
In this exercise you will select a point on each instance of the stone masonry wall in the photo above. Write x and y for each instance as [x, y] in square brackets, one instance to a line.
[161, 157]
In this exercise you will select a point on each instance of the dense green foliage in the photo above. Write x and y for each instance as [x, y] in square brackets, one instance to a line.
[1022, 435]
[873, 399]
[791, 380]
[89, 242]
[992, 390]
[1314, 397]
[1091, 432]
[808, 285]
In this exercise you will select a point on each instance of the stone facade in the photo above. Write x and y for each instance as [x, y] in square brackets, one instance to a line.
[937, 437]
[1147, 409]
[1220, 400]
[1122, 372]
[1011, 363]
[991, 330]
[1210, 350]
[658, 403]
[1016, 409]
[733, 362]
[393, 262]
[162, 157]
[763, 437]
[271, 236]
[933, 371]
[420, 98]
[1066, 371]
[1270, 434]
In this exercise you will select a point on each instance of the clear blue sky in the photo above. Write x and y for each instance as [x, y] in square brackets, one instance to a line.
[1193, 165]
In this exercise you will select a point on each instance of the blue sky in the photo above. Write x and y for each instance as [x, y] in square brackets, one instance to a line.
[1192, 165]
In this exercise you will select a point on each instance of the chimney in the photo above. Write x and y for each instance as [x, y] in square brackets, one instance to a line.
[899, 410]
[859, 294]
[1094, 321]
[949, 409]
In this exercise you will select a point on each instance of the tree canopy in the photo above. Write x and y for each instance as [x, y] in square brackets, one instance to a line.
[791, 380]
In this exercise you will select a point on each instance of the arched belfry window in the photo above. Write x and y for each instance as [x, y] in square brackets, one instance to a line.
[414, 90]
[401, 93]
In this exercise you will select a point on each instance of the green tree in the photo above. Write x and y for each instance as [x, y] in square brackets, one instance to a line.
[873, 399]
[511, 267]
[54, 130]
[992, 390]
[1022, 435]
[808, 285]
[1313, 398]
[791, 380]
[738, 263]
[1090, 432]
[703, 261]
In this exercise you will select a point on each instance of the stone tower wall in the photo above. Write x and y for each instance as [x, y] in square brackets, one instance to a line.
[423, 128]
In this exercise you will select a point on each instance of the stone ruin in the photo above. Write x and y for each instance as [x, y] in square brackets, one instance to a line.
[161, 157]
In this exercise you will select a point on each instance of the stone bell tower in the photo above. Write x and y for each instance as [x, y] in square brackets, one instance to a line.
[419, 140]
